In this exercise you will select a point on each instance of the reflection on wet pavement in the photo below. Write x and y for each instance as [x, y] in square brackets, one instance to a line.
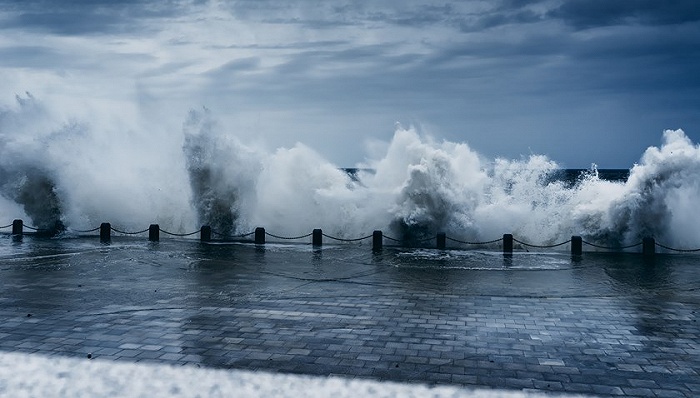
[599, 324]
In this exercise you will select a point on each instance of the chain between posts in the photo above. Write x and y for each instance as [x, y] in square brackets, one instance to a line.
[473, 243]
[287, 237]
[613, 248]
[86, 231]
[677, 250]
[370, 236]
[391, 239]
[232, 236]
[180, 235]
[35, 228]
[347, 240]
[542, 246]
[128, 233]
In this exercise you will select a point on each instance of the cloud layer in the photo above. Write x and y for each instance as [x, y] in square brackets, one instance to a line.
[581, 80]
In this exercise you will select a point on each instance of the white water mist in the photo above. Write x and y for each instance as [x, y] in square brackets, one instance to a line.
[91, 172]
[103, 170]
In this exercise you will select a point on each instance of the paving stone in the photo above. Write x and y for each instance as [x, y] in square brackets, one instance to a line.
[403, 324]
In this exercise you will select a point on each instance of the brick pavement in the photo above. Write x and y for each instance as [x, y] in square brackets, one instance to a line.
[596, 326]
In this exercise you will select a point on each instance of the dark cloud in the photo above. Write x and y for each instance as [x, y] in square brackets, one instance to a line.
[537, 62]
[596, 13]
[532, 72]
[74, 22]
[419, 16]
[505, 13]
[78, 17]
[457, 15]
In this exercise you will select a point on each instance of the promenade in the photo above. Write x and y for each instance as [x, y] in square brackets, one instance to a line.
[603, 325]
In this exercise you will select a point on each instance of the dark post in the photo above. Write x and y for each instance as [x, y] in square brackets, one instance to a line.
[377, 240]
[205, 233]
[507, 243]
[648, 246]
[317, 237]
[259, 236]
[17, 227]
[441, 240]
[105, 232]
[154, 232]
[576, 245]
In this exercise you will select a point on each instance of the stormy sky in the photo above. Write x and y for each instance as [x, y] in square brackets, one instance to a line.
[581, 81]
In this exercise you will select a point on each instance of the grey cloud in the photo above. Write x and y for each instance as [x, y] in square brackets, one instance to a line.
[543, 59]
[538, 73]
[461, 16]
[46, 58]
[32, 56]
[69, 23]
[233, 68]
[422, 15]
[292, 46]
[330, 15]
[77, 17]
[595, 13]
[498, 17]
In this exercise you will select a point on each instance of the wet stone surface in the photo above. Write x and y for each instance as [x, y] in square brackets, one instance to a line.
[602, 324]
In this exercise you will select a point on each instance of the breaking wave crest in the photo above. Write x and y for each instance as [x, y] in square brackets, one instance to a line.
[73, 174]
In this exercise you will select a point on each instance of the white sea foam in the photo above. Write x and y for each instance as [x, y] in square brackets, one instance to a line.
[82, 173]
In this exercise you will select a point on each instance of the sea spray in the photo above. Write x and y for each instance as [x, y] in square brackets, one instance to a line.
[82, 173]
[427, 186]
[23, 179]
[222, 173]
[79, 173]
[422, 186]
[656, 201]
[298, 191]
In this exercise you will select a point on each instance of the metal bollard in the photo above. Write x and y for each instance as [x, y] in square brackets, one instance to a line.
[576, 245]
[377, 240]
[317, 237]
[205, 233]
[105, 232]
[507, 243]
[154, 232]
[648, 246]
[441, 241]
[259, 236]
[17, 227]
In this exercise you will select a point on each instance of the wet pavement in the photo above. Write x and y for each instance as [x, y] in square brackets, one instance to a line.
[602, 324]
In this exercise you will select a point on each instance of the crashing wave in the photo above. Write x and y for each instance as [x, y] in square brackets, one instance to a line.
[76, 174]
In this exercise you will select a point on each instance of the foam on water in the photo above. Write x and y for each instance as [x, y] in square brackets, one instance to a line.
[58, 172]
[479, 260]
